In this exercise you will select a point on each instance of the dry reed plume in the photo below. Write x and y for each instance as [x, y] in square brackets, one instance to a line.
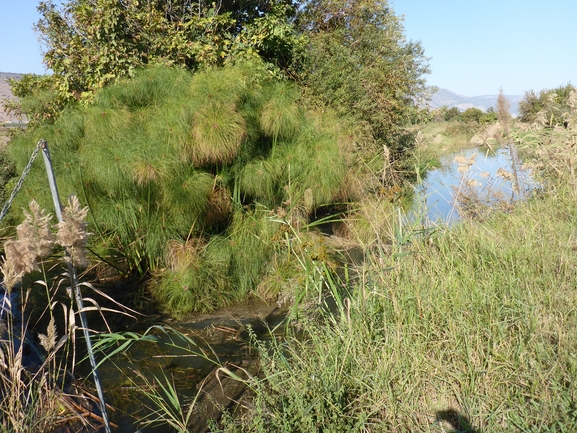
[35, 240]
[72, 233]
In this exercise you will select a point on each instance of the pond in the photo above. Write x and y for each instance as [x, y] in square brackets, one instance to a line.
[481, 173]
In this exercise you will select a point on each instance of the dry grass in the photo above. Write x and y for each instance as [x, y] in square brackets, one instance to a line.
[33, 378]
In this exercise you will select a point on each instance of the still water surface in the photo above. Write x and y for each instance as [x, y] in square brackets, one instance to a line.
[435, 196]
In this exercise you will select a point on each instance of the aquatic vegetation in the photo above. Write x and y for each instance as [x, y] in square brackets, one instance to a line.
[171, 156]
[36, 375]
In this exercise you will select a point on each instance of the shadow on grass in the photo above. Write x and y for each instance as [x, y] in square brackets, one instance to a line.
[457, 421]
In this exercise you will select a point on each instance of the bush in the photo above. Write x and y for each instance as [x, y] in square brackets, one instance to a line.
[452, 113]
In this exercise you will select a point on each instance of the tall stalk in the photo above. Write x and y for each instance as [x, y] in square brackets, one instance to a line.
[504, 118]
[75, 287]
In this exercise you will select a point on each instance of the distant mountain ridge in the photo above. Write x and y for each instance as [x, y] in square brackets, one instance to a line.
[8, 75]
[483, 102]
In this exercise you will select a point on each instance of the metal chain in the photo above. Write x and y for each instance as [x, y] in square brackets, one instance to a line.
[18, 186]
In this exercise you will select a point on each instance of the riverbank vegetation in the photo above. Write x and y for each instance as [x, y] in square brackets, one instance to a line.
[192, 164]
[469, 328]
[228, 153]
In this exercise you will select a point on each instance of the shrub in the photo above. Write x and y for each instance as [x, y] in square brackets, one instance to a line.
[452, 113]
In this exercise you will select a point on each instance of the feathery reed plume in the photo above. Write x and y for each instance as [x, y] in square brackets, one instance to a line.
[505, 175]
[572, 101]
[35, 229]
[503, 107]
[48, 341]
[33, 241]
[464, 163]
[540, 121]
[491, 132]
[72, 233]
[504, 118]
[571, 116]
[17, 262]
[11, 275]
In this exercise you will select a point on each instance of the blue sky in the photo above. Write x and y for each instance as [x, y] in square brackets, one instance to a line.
[476, 46]
[19, 46]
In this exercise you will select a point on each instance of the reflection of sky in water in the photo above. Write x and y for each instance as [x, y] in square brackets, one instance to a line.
[434, 197]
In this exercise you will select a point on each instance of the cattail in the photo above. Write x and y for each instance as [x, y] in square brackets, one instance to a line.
[72, 233]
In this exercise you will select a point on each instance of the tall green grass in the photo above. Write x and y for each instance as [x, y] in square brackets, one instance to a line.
[469, 329]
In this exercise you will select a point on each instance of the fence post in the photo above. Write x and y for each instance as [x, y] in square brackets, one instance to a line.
[75, 287]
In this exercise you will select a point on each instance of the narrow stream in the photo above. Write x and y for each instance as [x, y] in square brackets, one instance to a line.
[221, 335]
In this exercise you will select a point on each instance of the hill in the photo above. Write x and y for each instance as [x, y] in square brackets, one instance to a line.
[483, 102]
[6, 93]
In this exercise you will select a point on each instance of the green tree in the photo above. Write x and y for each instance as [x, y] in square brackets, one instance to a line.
[452, 113]
[489, 116]
[90, 43]
[551, 105]
[472, 115]
[359, 62]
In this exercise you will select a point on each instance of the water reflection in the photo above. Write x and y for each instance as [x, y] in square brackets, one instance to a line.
[489, 174]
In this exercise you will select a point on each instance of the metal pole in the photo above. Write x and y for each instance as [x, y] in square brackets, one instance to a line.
[75, 287]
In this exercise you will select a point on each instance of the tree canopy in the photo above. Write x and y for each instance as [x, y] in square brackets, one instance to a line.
[352, 56]
[359, 62]
[91, 43]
